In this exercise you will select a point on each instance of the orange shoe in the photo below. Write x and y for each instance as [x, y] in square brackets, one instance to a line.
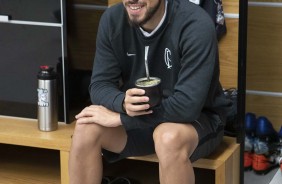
[262, 164]
[248, 152]
[248, 160]
[280, 162]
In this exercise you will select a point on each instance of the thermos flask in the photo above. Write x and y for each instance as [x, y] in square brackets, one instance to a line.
[47, 112]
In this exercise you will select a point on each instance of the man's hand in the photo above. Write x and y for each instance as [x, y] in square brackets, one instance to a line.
[135, 103]
[99, 115]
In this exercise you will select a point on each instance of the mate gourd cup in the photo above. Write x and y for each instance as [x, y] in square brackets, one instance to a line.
[152, 89]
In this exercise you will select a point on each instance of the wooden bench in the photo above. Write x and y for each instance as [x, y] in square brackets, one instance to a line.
[224, 162]
[24, 132]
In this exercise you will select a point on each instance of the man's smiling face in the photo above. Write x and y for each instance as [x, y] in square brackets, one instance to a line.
[141, 12]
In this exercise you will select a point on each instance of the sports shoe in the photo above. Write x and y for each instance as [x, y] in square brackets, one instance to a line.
[248, 153]
[280, 148]
[280, 161]
[250, 123]
[264, 129]
[250, 128]
[265, 147]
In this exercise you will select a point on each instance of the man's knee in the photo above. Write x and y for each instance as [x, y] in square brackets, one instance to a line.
[173, 137]
[165, 138]
[85, 135]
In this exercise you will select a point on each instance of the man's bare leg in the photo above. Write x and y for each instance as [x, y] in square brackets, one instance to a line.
[85, 164]
[174, 144]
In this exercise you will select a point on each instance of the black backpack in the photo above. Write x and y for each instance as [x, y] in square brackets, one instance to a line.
[232, 127]
[215, 9]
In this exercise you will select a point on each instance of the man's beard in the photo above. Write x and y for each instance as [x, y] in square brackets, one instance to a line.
[149, 14]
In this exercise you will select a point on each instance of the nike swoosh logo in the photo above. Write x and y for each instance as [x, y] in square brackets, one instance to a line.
[129, 54]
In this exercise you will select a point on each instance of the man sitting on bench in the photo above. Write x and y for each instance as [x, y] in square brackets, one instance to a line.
[187, 125]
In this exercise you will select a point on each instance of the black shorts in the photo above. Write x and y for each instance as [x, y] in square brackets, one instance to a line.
[209, 127]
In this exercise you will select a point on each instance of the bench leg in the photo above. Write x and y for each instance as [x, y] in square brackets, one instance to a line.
[228, 173]
[64, 157]
[220, 175]
[236, 166]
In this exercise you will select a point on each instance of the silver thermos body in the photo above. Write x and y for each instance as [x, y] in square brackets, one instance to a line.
[47, 111]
